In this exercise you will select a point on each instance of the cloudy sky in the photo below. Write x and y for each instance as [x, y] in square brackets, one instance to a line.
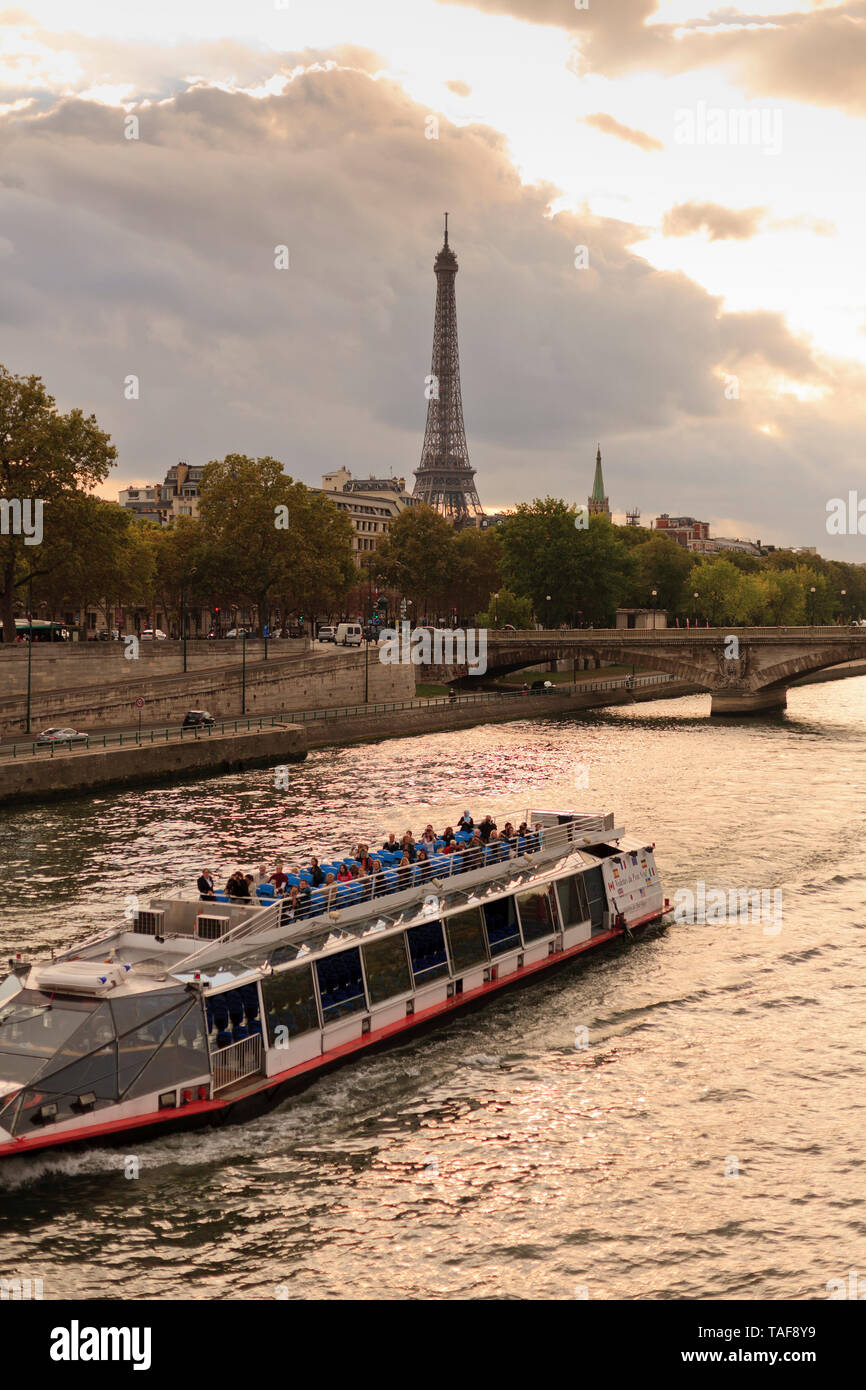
[658, 213]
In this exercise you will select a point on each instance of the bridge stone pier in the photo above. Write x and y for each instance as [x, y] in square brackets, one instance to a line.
[747, 670]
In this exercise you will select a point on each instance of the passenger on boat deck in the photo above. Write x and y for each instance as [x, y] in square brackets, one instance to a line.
[377, 876]
[404, 869]
[425, 868]
[448, 834]
[365, 858]
[409, 846]
[508, 833]
[449, 847]
[392, 844]
[472, 852]
[205, 884]
[343, 875]
[261, 875]
[316, 872]
[429, 836]
[465, 822]
[487, 826]
[278, 878]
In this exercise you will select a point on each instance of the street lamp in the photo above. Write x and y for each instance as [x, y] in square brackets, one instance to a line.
[547, 596]
[495, 610]
[842, 614]
[655, 594]
[696, 596]
[29, 644]
[183, 612]
[812, 607]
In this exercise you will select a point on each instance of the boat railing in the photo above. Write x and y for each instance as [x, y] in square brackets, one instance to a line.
[543, 843]
[236, 1062]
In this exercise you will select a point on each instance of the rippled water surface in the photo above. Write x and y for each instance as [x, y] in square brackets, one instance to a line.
[492, 1158]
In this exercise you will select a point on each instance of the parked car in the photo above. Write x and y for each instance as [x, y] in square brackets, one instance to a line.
[238, 632]
[327, 633]
[49, 736]
[349, 634]
[152, 634]
[198, 719]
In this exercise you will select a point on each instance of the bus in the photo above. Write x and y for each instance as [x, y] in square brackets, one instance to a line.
[40, 630]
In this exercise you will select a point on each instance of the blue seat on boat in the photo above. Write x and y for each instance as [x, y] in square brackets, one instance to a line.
[239, 1033]
[220, 896]
[306, 876]
[317, 901]
[254, 1027]
[223, 1039]
[354, 892]
[265, 890]
[293, 880]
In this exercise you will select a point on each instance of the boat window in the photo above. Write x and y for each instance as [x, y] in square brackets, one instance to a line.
[32, 1029]
[387, 968]
[535, 915]
[466, 940]
[594, 884]
[138, 1009]
[500, 918]
[341, 984]
[290, 1003]
[95, 1075]
[427, 952]
[182, 1057]
[94, 1032]
[573, 902]
[134, 1050]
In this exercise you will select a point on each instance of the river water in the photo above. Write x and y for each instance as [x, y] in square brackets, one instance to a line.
[707, 1143]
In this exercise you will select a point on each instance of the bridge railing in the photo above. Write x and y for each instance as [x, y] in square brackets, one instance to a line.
[662, 635]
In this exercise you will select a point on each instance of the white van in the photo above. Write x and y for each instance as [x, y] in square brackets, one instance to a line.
[348, 635]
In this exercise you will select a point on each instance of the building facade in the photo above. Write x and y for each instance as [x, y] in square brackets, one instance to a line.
[372, 504]
[162, 503]
[685, 530]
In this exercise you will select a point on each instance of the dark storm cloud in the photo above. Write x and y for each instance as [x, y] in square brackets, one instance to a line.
[817, 57]
[722, 224]
[155, 257]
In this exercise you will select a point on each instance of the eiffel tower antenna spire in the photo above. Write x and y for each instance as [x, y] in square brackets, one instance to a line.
[444, 479]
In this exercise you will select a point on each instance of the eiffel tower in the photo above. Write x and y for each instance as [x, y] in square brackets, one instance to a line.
[444, 479]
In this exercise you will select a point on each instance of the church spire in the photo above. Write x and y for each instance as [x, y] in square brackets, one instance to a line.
[598, 503]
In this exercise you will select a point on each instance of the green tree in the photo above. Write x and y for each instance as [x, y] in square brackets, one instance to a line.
[267, 540]
[417, 556]
[505, 607]
[665, 566]
[46, 457]
[586, 572]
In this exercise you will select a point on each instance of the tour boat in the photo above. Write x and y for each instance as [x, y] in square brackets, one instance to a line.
[203, 1011]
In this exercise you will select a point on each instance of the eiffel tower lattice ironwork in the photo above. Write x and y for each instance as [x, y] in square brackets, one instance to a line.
[444, 479]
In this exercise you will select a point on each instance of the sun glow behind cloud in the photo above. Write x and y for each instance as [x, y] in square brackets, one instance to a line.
[519, 80]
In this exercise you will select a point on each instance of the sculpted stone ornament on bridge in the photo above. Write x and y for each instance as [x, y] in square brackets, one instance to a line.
[733, 670]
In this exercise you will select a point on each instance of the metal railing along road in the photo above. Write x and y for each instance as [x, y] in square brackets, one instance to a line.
[265, 721]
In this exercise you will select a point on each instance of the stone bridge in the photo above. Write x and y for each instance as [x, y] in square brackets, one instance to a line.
[746, 669]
